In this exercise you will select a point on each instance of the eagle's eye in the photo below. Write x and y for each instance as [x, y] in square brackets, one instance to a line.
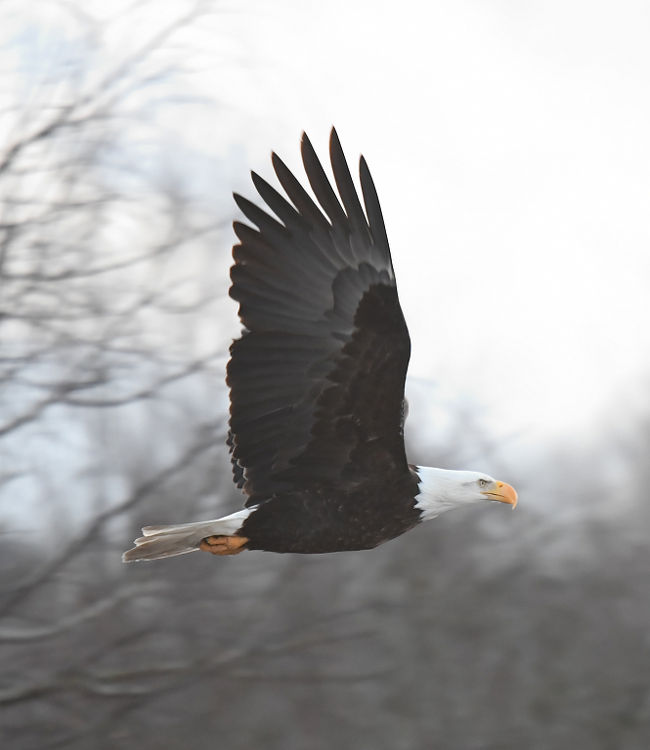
[483, 483]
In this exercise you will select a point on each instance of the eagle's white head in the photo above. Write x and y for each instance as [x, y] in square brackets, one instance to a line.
[443, 489]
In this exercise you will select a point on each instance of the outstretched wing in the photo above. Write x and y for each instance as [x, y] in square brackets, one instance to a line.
[317, 377]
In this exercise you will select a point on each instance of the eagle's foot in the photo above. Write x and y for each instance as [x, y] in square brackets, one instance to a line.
[223, 545]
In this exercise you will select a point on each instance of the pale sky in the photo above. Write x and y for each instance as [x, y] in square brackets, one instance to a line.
[509, 145]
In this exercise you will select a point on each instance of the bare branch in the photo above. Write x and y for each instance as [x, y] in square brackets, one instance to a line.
[204, 442]
[96, 609]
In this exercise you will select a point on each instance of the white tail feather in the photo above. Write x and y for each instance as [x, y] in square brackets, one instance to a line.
[179, 539]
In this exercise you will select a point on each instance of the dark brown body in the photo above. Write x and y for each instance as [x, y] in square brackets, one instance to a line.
[323, 519]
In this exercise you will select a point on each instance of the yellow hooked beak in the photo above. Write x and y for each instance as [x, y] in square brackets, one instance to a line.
[504, 493]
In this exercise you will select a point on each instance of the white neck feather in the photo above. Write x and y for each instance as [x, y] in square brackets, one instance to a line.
[441, 490]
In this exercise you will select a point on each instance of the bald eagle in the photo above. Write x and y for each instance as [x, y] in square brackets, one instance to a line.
[317, 382]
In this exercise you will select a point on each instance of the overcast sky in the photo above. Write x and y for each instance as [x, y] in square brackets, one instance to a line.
[509, 144]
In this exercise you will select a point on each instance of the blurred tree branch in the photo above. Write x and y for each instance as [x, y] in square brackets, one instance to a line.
[92, 260]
